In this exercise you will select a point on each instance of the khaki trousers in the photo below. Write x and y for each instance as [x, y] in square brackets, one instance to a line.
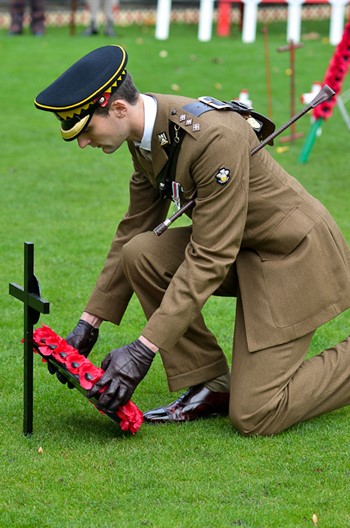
[271, 389]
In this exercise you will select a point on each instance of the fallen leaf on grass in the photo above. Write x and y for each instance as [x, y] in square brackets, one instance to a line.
[280, 150]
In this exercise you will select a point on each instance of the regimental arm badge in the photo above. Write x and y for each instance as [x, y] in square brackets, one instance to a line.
[223, 176]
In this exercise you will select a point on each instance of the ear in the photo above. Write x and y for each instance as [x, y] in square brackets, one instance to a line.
[119, 107]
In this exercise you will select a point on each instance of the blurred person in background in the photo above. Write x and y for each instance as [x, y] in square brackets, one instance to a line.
[37, 17]
[107, 6]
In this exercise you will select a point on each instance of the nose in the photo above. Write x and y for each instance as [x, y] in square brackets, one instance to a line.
[83, 141]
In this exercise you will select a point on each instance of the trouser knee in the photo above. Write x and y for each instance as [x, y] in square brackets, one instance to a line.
[249, 423]
[238, 422]
[155, 258]
[134, 252]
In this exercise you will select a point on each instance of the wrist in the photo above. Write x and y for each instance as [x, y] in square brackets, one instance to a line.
[148, 344]
[93, 320]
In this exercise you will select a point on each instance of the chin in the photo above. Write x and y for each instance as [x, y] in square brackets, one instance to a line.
[108, 150]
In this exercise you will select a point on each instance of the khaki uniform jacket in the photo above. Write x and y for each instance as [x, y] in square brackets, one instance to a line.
[292, 262]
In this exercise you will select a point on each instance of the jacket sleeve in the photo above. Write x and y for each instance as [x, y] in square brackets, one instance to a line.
[220, 172]
[112, 293]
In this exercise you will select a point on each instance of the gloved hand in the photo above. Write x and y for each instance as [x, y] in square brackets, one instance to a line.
[125, 367]
[83, 338]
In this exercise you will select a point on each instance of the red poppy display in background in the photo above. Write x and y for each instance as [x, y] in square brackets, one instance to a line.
[335, 74]
[49, 344]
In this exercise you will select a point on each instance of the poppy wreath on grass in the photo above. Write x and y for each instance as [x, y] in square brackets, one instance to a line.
[81, 373]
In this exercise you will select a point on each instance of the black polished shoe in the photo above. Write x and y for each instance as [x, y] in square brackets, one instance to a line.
[197, 402]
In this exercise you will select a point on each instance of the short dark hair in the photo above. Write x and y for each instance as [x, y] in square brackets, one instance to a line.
[126, 91]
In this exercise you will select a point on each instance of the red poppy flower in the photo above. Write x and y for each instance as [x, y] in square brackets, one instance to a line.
[63, 351]
[46, 335]
[74, 362]
[89, 374]
[46, 340]
[131, 417]
[45, 350]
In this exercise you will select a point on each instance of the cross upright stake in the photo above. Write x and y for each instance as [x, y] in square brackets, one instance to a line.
[33, 306]
[268, 70]
[291, 47]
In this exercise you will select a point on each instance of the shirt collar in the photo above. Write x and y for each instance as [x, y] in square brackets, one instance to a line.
[150, 107]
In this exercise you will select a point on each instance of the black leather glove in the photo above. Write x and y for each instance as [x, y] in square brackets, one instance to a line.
[125, 367]
[83, 338]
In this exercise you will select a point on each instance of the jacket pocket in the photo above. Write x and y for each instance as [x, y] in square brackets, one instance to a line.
[307, 281]
[286, 236]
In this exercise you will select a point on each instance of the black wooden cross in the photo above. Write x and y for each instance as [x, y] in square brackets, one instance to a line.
[34, 305]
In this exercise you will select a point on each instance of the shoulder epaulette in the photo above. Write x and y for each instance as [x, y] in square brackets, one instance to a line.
[261, 125]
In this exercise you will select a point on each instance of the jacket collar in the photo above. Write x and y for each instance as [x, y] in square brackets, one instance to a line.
[168, 110]
[160, 133]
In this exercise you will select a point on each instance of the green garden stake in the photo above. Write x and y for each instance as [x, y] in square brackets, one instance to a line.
[310, 140]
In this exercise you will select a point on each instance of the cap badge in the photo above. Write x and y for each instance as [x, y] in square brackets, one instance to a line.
[223, 176]
[103, 100]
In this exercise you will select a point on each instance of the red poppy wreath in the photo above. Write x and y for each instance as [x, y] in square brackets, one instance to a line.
[81, 373]
[335, 75]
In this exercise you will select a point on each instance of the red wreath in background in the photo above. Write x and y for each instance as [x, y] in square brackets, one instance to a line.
[335, 74]
[82, 373]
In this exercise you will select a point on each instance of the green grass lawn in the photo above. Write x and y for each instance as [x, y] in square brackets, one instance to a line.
[68, 202]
